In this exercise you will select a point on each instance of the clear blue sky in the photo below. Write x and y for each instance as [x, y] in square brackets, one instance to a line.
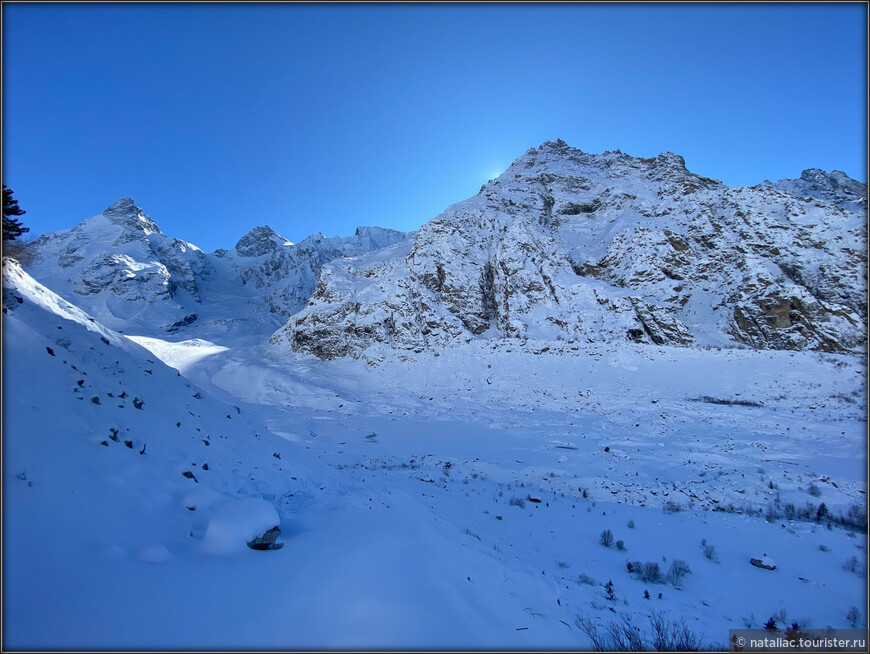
[219, 117]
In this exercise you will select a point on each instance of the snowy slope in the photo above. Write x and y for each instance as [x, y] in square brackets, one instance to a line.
[129, 495]
[602, 248]
[405, 490]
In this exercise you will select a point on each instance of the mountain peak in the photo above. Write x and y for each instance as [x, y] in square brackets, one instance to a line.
[125, 213]
[835, 186]
[555, 146]
[259, 241]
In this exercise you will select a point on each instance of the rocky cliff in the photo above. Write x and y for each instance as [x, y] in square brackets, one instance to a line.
[601, 247]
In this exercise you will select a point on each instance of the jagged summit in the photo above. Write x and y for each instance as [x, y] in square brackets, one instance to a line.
[260, 241]
[835, 186]
[125, 213]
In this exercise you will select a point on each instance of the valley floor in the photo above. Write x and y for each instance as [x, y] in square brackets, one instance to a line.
[451, 501]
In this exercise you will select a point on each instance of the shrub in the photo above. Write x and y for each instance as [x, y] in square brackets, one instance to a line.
[517, 501]
[586, 579]
[672, 507]
[678, 571]
[772, 514]
[649, 572]
[709, 550]
[814, 490]
[853, 564]
[855, 518]
[620, 545]
[623, 635]
[631, 524]
[606, 538]
[608, 591]
[468, 532]
[821, 512]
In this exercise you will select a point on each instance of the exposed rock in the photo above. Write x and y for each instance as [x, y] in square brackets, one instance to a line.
[569, 245]
[260, 241]
[267, 540]
[765, 562]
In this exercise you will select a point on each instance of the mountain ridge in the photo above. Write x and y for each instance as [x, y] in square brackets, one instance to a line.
[570, 245]
[564, 245]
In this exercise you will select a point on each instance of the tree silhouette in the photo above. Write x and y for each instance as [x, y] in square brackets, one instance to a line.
[12, 227]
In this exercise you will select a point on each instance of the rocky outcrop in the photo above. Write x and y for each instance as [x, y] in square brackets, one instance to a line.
[576, 246]
[266, 541]
[765, 563]
[260, 241]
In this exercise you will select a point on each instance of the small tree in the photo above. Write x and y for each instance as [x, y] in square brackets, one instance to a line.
[822, 512]
[12, 227]
[608, 590]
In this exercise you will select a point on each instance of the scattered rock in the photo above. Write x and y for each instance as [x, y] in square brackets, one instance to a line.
[267, 540]
[764, 562]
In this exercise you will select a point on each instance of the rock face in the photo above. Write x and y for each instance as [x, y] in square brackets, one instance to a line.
[576, 246]
[285, 274]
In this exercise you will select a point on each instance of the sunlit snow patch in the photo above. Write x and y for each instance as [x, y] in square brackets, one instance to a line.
[181, 355]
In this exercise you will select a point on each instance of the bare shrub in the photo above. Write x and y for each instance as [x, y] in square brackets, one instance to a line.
[853, 564]
[709, 551]
[623, 635]
[606, 538]
[649, 572]
[678, 571]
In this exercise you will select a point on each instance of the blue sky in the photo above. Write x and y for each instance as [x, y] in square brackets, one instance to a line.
[217, 118]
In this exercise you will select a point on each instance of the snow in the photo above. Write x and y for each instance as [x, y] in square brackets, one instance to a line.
[137, 465]
[236, 523]
[180, 355]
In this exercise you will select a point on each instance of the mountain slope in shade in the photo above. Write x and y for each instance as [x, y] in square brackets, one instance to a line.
[573, 246]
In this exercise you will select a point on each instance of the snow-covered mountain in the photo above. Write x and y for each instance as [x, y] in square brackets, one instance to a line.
[513, 435]
[573, 246]
[286, 274]
[130, 276]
